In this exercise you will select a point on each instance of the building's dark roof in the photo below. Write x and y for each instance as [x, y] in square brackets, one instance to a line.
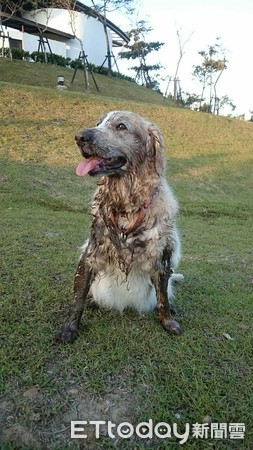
[18, 22]
[31, 27]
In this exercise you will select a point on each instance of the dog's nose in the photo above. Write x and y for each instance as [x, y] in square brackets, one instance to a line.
[83, 137]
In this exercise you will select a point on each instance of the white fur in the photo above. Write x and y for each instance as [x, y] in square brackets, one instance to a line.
[112, 290]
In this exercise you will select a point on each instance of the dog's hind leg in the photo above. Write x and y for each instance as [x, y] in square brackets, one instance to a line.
[82, 282]
[160, 281]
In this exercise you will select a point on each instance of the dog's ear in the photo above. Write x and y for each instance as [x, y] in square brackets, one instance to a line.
[155, 149]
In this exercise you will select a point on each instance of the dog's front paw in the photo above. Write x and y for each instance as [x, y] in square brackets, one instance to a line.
[68, 333]
[171, 326]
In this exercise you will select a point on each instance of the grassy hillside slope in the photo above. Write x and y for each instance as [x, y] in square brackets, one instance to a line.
[37, 74]
[122, 367]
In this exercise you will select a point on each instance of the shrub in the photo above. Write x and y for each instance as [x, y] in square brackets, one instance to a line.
[59, 60]
[18, 53]
[76, 64]
[51, 58]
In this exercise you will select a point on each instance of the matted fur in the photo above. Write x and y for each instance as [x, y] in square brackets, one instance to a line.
[134, 243]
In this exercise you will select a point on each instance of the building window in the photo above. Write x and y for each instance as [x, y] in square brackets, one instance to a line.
[16, 43]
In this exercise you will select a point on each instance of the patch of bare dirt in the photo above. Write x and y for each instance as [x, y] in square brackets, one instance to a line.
[43, 422]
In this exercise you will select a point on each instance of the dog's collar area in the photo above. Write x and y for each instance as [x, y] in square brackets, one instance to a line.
[125, 232]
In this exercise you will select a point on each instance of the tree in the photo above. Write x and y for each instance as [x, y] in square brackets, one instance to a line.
[190, 99]
[209, 72]
[70, 6]
[139, 49]
[225, 101]
[102, 8]
[46, 9]
[13, 6]
[181, 47]
[9, 8]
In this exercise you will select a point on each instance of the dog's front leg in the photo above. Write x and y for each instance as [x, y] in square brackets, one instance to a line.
[82, 282]
[160, 281]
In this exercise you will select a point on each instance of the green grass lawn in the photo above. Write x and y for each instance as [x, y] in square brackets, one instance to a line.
[122, 367]
[37, 74]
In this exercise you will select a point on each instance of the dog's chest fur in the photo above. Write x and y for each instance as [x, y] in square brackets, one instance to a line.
[131, 232]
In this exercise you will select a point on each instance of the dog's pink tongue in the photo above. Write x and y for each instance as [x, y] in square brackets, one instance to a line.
[87, 165]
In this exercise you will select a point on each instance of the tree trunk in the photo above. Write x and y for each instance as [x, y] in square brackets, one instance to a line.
[215, 86]
[109, 57]
[175, 90]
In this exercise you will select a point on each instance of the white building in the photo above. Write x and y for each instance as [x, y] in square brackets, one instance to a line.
[62, 31]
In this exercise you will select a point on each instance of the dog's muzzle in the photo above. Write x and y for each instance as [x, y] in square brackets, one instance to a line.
[93, 163]
[84, 137]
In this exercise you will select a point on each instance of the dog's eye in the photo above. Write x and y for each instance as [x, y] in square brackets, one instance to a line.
[121, 126]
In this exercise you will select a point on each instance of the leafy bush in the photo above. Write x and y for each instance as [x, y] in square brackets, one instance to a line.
[51, 58]
[59, 60]
[18, 53]
[76, 64]
[104, 71]
[6, 53]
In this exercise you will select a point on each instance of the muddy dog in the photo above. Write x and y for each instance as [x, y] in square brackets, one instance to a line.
[134, 247]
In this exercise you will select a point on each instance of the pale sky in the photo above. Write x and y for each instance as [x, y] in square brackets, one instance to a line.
[231, 20]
